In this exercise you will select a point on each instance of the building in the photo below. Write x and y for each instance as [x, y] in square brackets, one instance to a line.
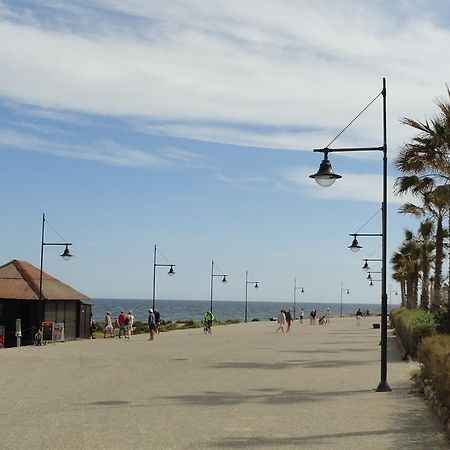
[19, 299]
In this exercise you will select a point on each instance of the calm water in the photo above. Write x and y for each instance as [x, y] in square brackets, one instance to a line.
[193, 310]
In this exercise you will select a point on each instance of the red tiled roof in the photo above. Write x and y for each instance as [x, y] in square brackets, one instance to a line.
[19, 280]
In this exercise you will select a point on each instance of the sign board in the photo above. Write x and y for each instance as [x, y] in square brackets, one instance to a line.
[47, 331]
[2, 336]
[58, 332]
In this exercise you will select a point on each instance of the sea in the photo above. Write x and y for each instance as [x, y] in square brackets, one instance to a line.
[183, 310]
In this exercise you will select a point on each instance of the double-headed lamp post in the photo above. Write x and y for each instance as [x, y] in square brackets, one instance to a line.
[296, 288]
[66, 255]
[343, 289]
[171, 272]
[326, 177]
[224, 280]
[246, 293]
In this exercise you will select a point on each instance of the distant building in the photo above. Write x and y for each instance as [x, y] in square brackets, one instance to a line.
[19, 299]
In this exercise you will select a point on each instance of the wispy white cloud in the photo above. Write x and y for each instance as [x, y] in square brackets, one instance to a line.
[254, 63]
[247, 183]
[107, 152]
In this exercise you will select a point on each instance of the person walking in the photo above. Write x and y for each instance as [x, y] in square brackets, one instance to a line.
[157, 320]
[288, 320]
[358, 317]
[109, 329]
[121, 319]
[129, 321]
[302, 315]
[151, 324]
[312, 317]
[281, 319]
[328, 316]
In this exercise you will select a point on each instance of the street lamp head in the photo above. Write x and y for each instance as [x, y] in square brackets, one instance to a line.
[224, 279]
[325, 176]
[369, 277]
[256, 285]
[348, 291]
[355, 247]
[365, 266]
[171, 272]
[371, 283]
[66, 255]
[302, 291]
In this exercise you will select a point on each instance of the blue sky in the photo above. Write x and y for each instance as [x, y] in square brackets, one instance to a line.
[190, 125]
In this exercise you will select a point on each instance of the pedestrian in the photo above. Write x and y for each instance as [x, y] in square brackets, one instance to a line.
[93, 327]
[121, 319]
[328, 316]
[129, 321]
[312, 317]
[281, 319]
[151, 324]
[288, 320]
[302, 315]
[358, 317]
[109, 329]
[157, 320]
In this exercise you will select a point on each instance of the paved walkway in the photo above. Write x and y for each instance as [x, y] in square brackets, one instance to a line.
[242, 387]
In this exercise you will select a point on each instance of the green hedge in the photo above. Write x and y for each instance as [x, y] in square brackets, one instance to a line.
[411, 327]
[434, 354]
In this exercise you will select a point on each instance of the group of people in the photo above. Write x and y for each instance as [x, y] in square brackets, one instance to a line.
[123, 321]
[285, 318]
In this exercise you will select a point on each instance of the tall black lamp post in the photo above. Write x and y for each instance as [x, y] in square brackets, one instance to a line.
[343, 289]
[213, 275]
[66, 255]
[326, 177]
[296, 288]
[171, 272]
[246, 292]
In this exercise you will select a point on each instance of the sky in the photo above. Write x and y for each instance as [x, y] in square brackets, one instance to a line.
[190, 125]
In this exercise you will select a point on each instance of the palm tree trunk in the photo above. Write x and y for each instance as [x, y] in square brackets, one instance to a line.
[436, 301]
[448, 287]
[425, 292]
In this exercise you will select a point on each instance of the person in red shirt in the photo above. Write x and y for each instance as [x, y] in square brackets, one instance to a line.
[121, 319]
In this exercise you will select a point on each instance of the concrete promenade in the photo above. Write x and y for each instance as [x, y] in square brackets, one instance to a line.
[242, 387]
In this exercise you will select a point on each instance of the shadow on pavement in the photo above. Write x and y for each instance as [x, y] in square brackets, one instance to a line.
[279, 365]
[267, 395]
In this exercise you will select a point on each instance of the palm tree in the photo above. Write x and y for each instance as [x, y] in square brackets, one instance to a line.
[435, 205]
[423, 239]
[425, 161]
[406, 264]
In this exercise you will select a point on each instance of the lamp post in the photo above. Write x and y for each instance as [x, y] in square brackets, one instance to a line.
[224, 280]
[390, 297]
[246, 292]
[66, 255]
[171, 273]
[326, 177]
[302, 290]
[343, 289]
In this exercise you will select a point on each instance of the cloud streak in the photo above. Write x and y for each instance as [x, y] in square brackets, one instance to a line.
[202, 68]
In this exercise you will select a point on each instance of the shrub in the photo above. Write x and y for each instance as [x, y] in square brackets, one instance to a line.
[434, 354]
[412, 326]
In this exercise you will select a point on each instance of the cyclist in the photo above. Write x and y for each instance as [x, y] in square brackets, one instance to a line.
[207, 321]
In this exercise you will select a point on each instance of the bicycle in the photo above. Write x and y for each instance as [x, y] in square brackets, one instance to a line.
[207, 327]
